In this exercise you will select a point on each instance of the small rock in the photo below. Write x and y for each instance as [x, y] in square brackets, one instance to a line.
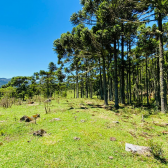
[76, 138]
[112, 139]
[165, 132]
[55, 119]
[31, 102]
[111, 157]
[161, 124]
[83, 120]
[137, 149]
[116, 122]
[40, 132]
[47, 101]
[89, 103]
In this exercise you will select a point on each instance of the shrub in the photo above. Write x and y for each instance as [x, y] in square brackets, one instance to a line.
[64, 94]
[6, 102]
[157, 151]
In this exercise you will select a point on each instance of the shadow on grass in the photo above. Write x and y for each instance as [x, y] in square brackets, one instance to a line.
[161, 159]
[126, 108]
[106, 107]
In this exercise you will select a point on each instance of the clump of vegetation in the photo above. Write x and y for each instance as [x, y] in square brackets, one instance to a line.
[47, 105]
[64, 94]
[157, 150]
[6, 102]
[7, 97]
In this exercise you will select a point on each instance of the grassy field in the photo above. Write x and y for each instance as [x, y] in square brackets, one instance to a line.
[82, 136]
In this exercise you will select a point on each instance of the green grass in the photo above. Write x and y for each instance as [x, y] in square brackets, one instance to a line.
[58, 148]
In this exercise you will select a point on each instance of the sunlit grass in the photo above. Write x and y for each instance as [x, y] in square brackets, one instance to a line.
[84, 119]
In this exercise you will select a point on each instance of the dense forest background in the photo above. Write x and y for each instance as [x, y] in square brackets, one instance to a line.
[118, 58]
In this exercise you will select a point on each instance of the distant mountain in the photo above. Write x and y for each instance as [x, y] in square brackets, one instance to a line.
[4, 81]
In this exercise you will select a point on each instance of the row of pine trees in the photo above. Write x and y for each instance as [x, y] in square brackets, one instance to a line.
[127, 58]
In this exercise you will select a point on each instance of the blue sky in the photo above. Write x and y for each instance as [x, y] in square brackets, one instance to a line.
[27, 31]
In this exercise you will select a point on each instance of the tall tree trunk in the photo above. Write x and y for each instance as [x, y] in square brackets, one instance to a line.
[147, 94]
[130, 72]
[110, 89]
[115, 76]
[122, 68]
[137, 85]
[90, 86]
[161, 63]
[120, 82]
[133, 83]
[141, 84]
[110, 82]
[127, 76]
[74, 90]
[104, 82]
[127, 89]
[86, 86]
[77, 85]
[108, 75]
[158, 101]
[101, 91]
[81, 87]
